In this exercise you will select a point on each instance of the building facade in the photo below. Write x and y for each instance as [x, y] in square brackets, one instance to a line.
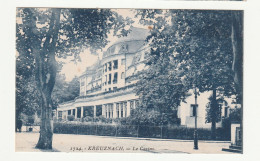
[106, 88]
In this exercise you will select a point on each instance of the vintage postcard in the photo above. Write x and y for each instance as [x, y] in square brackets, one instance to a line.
[129, 80]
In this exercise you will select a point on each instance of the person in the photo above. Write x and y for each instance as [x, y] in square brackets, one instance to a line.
[19, 125]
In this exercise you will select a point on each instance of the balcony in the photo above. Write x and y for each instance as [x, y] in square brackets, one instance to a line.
[122, 89]
[92, 97]
[94, 89]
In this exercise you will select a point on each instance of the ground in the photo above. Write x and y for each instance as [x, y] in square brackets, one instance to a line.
[26, 141]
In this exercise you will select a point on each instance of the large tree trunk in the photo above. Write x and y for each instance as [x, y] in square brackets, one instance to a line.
[214, 114]
[45, 78]
[237, 44]
[46, 131]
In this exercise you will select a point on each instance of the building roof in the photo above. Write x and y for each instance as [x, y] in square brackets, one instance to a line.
[134, 34]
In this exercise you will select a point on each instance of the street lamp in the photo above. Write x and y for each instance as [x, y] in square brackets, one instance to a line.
[194, 109]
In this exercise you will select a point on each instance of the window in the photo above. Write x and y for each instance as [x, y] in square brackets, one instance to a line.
[111, 109]
[115, 62]
[114, 88]
[109, 89]
[109, 66]
[131, 105]
[105, 67]
[121, 104]
[124, 47]
[109, 79]
[223, 105]
[226, 112]
[193, 110]
[60, 114]
[106, 110]
[122, 61]
[69, 112]
[85, 112]
[78, 112]
[108, 113]
[122, 75]
[125, 108]
[74, 111]
[117, 110]
[115, 78]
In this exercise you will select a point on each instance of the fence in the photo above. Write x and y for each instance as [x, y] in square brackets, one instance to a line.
[164, 132]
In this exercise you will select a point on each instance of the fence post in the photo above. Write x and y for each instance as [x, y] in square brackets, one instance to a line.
[161, 132]
[137, 131]
[77, 131]
[186, 131]
[116, 130]
[96, 129]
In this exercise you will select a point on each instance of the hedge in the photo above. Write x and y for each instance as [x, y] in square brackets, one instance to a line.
[165, 132]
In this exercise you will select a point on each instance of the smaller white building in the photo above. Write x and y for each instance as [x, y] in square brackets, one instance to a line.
[186, 114]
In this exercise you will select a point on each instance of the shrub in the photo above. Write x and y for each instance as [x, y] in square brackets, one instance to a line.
[127, 131]
[235, 115]
[106, 130]
[88, 119]
[141, 116]
[167, 132]
[108, 120]
[101, 119]
[70, 117]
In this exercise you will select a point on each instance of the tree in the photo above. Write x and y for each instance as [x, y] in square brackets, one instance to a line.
[211, 112]
[199, 43]
[44, 34]
[65, 91]
[27, 99]
[160, 88]
[237, 44]
[237, 47]
[27, 96]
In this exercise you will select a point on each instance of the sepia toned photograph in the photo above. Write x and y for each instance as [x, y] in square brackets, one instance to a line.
[129, 80]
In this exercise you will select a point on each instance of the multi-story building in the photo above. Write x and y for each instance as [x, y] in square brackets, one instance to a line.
[106, 88]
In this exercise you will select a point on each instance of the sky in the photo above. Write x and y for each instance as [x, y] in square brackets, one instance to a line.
[72, 69]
